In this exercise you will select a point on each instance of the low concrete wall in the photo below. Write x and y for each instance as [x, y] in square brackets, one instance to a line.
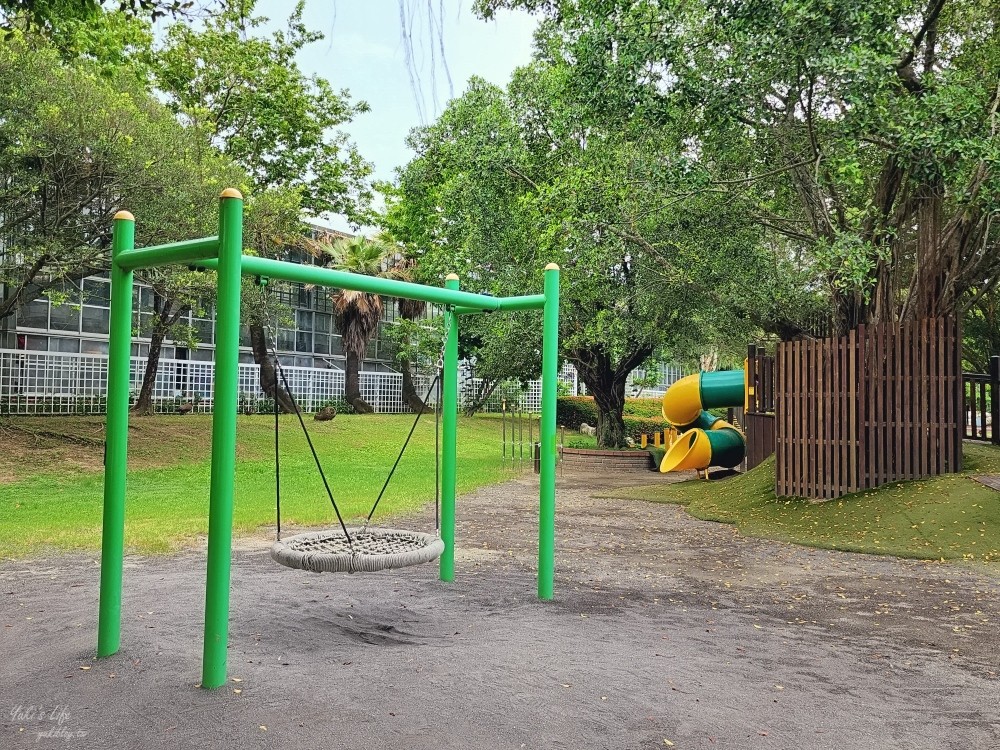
[582, 459]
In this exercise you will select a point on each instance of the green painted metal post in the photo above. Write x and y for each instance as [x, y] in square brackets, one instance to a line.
[220, 508]
[449, 438]
[547, 431]
[116, 441]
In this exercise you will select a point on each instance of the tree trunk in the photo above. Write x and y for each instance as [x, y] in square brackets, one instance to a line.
[166, 317]
[352, 386]
[268, 372]
[609, 395]
[410, 396]
[144, 404]
[486, 388]
[605, 381]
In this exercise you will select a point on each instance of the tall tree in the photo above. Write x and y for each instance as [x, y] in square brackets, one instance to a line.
[507, 181]
[246, 94]
[74, 148]
[864, 133]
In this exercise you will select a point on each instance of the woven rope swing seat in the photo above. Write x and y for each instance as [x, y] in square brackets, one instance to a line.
[370, 550]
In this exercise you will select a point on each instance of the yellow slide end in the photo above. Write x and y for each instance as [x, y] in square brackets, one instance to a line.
[690, 451]
[682, 401]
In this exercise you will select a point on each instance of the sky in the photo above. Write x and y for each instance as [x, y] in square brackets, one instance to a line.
[364, 52]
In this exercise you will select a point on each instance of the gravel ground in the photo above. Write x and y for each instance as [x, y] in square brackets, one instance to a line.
[665, 631]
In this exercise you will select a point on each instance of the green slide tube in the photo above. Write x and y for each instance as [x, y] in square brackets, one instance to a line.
[722, 389]
[728, 447]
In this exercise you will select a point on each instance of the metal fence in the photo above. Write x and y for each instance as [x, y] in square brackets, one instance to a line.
[56, 383]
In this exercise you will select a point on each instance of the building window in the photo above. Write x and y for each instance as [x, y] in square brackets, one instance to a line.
[96, 320]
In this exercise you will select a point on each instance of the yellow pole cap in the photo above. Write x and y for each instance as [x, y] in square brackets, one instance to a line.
[124, 216]
[552, 267]
[451, 277]
[231, 193]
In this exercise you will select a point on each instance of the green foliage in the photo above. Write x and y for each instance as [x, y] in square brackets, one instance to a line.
[245, 92]
[64, 124]
[859, 137]
[641, 415]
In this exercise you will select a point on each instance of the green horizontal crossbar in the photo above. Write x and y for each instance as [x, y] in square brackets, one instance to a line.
[304, 274]
[162, 255]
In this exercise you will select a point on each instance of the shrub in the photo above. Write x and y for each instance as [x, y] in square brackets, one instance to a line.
[339, 403]
[572, 411]
[644, 407]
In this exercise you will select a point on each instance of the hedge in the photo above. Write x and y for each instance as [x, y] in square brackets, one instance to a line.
[572, 411]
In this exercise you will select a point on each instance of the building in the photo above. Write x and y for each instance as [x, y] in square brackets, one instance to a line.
[79, 322]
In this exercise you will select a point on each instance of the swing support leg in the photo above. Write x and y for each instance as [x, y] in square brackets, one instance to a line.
[449, 438]
[225, 396]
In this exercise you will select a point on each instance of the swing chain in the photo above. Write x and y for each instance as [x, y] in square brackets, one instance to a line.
[444, 338]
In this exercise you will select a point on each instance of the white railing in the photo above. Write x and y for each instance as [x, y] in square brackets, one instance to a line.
[55, 383]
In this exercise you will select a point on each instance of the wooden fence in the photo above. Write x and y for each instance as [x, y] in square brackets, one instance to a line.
[759, 417]
[981, 393]
[879, 405]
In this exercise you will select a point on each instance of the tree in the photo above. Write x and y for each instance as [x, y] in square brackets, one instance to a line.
[507, 181]
[247, 96]
[358, 313]
[74, 148]
[864, 133]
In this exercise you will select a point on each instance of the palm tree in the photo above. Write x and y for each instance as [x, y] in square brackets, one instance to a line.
[358, 313]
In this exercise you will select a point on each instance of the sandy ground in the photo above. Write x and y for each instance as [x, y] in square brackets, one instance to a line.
[665, 632]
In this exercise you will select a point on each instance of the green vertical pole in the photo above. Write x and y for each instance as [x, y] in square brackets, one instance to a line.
[449, 438]
[116, 440]
[220, 507]
[547, 435]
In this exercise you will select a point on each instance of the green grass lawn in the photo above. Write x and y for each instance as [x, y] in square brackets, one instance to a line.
[948, 517]
[167, 497]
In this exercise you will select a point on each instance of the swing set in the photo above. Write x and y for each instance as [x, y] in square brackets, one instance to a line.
[344, 549]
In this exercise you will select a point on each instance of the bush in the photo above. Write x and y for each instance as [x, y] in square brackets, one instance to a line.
[340, 404]
[651, 408]
[572, 411]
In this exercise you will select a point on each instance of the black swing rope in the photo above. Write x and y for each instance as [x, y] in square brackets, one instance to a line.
[436, 381]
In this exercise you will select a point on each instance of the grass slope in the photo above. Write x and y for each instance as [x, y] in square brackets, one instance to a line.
[50, 505]
[947, 517]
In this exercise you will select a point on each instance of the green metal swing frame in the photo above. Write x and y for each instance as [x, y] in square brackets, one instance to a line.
[224, 254]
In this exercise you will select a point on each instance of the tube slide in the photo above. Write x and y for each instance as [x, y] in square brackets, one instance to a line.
[705, 440]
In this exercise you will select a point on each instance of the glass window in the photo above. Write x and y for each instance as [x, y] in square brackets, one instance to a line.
[303, 320]
[322, 322]
[336, 345]
[286, 339]
[167, 352]
[64, 317]
[202, 355]
[146, 299]
[245, 336]
[34, 315]
[321, 343]
[96, 319]
[96, 292]
[246, 358]
[93, 347]
[303, 341]
[36, 343]
[57, 344]
[204, 329]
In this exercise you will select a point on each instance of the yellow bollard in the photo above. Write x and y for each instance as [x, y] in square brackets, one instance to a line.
[642, 440]
[656, 438]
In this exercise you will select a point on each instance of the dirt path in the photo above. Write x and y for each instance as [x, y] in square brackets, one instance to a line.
[664, 628]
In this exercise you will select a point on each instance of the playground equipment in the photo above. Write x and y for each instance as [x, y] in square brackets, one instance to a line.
[703, 439]
[224, 254]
